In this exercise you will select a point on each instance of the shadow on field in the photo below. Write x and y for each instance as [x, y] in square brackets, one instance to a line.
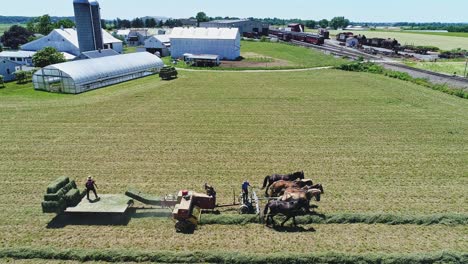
[293, 229]
[96, 219]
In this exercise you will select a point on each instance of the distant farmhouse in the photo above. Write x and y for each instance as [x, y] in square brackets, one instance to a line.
[247, 28]
[224, 42]
[158, 43]
[66, 40]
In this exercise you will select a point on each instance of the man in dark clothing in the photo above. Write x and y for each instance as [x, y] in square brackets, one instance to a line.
[91, 186]
[245, 191]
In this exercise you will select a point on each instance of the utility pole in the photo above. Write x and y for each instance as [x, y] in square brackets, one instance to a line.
[466, 66]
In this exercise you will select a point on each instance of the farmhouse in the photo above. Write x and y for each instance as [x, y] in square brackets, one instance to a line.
[8, 69]
[85, 75]
[224, 42]
[247, 28]
[158, 43]
[66, 40]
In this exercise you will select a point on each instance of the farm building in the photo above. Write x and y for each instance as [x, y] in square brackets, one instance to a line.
[20, 57]
[224, 42]
[158, 43]
[137, 37]
[66, 40]
[85, 75]
[296, 27]
[8, 69]
[247, 28]
[24, 57]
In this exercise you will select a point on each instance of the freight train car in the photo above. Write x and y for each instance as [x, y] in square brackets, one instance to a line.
[298, 36]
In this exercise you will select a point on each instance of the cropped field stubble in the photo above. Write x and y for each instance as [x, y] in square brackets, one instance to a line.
[377, 145]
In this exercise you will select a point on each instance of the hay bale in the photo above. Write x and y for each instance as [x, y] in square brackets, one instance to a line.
[72, 197]
[53, 206]
[56, 185]
[69, 186]
[49, 197]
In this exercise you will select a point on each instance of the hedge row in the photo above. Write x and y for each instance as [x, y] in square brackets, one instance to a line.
[347, 218]
[230, 257]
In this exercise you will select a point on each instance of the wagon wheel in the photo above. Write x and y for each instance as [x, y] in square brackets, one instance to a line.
[244, 209]
[185, 227]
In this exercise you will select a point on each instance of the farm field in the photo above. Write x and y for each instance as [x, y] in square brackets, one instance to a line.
[5, 27]
[418, 39]
[267, 55]
[378, 145]
[448, 67]
[445, 34]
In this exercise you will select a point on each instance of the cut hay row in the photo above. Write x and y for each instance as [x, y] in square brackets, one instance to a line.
[229, 257]
[347, 218]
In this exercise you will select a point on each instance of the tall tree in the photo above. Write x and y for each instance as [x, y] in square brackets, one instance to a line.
[47, 56]
[66, 23]
[138, 23]
[160, 24]
[339, 22]
[150, 23]
[44, 25]
[311, 24]
[323, 23]
[125, 23]
[201, 17]
[15, 36]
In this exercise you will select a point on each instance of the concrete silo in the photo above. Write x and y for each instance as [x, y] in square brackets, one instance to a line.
[88, 25]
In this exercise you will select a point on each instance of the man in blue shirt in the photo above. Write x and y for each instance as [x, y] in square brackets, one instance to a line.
[245, 191]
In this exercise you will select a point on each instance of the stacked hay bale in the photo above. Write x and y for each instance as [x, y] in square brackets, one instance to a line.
[168, 73]
[61, 193]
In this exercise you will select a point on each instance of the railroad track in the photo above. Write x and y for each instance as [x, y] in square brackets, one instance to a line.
[387, 63]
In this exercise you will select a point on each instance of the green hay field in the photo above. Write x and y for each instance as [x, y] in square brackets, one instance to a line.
[378, 145]
[444, 42]
[448, 67]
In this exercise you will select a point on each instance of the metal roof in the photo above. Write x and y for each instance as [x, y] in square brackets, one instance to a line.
[229, 21]
[162, 38]
[91, 2]
[94, 70]
[204, 33]
[99, 53]
[17, 54]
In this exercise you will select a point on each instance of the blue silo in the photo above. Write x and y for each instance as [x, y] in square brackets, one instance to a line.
[88, 25]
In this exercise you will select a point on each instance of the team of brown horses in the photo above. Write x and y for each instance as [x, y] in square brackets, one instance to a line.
[292, 195]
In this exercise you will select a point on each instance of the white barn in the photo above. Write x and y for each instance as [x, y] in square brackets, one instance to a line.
[224, 42]
[158, 43]
[66, 40]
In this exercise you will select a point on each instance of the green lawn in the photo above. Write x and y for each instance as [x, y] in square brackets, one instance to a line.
[378, 145]
[444, 42]
[266, 53]
[449, 67]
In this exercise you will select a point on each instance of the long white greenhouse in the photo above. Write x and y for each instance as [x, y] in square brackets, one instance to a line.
[85, 75]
